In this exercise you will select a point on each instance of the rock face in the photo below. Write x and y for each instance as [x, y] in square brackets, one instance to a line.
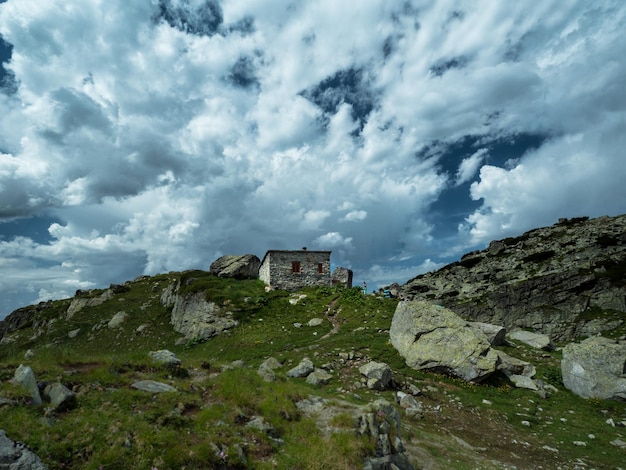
[237, 266]
[543, 280]
[195, 317]
[595, 368]
[16, 456]
[434, 338]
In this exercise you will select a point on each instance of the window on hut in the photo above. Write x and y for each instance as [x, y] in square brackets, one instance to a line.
[295, 267]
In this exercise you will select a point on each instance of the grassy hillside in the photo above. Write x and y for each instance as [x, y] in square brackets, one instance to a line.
[206, 424]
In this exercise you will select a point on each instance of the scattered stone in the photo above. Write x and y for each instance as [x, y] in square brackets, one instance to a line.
[29, 354]
[411, 406]
[296, 298]
[17, 456]
[25, 377]
[266, 369]
[258, 423]
[534, 340]
[153, 387]
[73, 333]
[378, 375]
[580, 443]
[166, 358]
[297, 325]
[315, 322]
[431, 337]
[487, 402]
[550, 449]
[318, 377]
[594, 368]
[526, 423]
[619, 443]
[61, 398]
[117, 320]
[141, 328]
[521, 381]
[302, 370]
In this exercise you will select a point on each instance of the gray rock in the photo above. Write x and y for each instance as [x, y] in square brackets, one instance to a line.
[594, 368]
[195, 317]
[117, 320]
[522, 381]
[381, 422]
[496, 334]
[236, 266]
[315, 322]
[266, 369]
[318, 377]
[79, 303]
[25, 377]
[73, 333]
[165, 357]
[61, 398]
[302, 370]
[434, 338]
[534, 340]
[378, 375]
[153, 387]
[29, 354]
[266, 372]
[17, 456]
[258, 423]
[510, 365]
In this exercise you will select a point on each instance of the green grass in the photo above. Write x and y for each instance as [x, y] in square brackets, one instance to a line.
[204, 424]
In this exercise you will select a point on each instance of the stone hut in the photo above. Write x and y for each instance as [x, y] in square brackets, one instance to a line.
[295, 269]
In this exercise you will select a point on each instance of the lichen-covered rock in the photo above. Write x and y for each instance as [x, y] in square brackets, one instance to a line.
[434, 338]
[195, 317]
[25, 377]
[304, 368]
[378, 375]
[61, 398]
[534, 340]
[236, 266]
[595, 368]
[17, 456]
[166, 358]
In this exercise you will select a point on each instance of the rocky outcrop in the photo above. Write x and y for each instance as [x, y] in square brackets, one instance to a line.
[567, 280]
[82, 299]
[595, 368]
[431, 337]
[196, 318]
[237, 266]
[17, 456]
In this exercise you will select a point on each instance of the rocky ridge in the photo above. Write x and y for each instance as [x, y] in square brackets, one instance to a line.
[566, 280]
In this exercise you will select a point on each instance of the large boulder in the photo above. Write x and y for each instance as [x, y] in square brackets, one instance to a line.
[237, 266]
[17, 456]
[595, 368]
[431, 337]
[534, 340]
[196, 318]
[25, 377]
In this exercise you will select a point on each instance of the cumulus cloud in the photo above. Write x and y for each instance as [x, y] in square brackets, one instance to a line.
[469, 166]
[162, 134]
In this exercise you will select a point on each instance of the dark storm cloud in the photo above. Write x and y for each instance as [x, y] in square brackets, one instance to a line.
[203, 18]
[345, 86]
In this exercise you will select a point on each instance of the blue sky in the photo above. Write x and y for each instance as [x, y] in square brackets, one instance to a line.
[157, 135]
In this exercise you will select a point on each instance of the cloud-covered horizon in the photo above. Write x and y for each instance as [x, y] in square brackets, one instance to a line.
[146, 137]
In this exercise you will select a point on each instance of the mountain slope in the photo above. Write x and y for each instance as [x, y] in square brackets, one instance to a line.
[567, 280]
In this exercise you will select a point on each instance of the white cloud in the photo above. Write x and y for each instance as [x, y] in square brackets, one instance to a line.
[469, 166]
[162, 143]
